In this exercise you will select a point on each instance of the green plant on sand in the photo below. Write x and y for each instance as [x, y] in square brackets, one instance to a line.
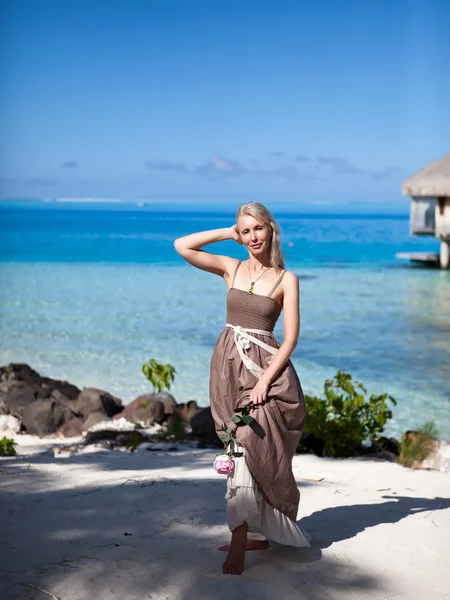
[160, 376]
[175, 431]
[417, 445]
[7, 446]
[338, 424]
[132, 440]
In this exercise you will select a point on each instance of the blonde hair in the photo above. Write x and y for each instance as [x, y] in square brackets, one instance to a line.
[260, 213]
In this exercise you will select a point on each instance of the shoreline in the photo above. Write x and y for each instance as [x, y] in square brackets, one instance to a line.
[311, 376]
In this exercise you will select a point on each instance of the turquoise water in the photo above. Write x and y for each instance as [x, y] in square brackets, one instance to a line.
[88, 294]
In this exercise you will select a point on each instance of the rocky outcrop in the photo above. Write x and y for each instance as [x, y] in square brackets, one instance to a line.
[92, 400]
[384, 449]
[43, 417]
[41, 403]
[15, 395]
[94, 419]
[170, 404]
[42, 387]
[42, 406]
[45, 406]
[144, 410]
[186, 411]
[71, 428]
[203, 428]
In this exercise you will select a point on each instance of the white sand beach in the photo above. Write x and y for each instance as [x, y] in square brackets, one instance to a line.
[110, 525]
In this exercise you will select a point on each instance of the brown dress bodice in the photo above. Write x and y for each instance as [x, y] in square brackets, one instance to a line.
[252, 311]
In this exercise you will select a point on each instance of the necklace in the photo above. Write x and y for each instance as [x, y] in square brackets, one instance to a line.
[252, 283]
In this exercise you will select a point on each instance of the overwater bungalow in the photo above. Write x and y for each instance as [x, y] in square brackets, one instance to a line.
[429, 189]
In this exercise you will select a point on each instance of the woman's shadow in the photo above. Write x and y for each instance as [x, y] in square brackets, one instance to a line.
[344, 522]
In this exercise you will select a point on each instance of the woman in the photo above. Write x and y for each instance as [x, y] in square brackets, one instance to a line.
[248, 366]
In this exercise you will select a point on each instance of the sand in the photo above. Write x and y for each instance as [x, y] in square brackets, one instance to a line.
[111, 525]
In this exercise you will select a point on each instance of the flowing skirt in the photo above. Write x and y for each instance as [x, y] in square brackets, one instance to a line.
[246, 504]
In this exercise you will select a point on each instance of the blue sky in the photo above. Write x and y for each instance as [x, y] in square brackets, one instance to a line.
[191, 100]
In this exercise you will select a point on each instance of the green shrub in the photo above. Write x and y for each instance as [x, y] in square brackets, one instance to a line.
[417, 445]
[338, 424]
[7, 446]
[175, 431]
[132, 440]
[160, 376]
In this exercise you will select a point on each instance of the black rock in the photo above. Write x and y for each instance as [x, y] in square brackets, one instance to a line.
[203, 428]
[92, 400]
[43, 417]
[42, 386]
[145, 410]
[15, 395]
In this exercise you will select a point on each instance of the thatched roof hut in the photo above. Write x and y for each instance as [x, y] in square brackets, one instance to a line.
[429, 189]
[433, 180]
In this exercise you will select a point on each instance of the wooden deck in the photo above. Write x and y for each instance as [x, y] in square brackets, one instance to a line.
[431, 258]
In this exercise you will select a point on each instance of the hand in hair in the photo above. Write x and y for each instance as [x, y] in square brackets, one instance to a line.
[235, 235]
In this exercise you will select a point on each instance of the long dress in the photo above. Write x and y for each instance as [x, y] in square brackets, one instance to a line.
[261, 490]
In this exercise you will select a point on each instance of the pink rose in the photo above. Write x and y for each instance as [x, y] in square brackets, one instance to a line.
[223, 464]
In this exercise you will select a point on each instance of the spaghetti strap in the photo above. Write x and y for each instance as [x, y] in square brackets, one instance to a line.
[277, 283]
[234, 276]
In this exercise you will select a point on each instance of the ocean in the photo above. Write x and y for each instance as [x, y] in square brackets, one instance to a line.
[90, 292]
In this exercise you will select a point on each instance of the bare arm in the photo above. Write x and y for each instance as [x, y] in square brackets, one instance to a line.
[291, 322]
[189, 247]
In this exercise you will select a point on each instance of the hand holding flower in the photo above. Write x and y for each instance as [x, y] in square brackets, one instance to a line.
[258, 395]
[223, 463]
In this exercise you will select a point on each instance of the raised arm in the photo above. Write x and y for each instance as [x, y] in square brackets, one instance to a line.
[189, 247]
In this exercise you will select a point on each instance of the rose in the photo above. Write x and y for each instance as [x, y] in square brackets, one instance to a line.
[223, 464]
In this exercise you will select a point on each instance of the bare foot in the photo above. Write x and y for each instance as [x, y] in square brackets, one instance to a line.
[251, 545]
[234, 562]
